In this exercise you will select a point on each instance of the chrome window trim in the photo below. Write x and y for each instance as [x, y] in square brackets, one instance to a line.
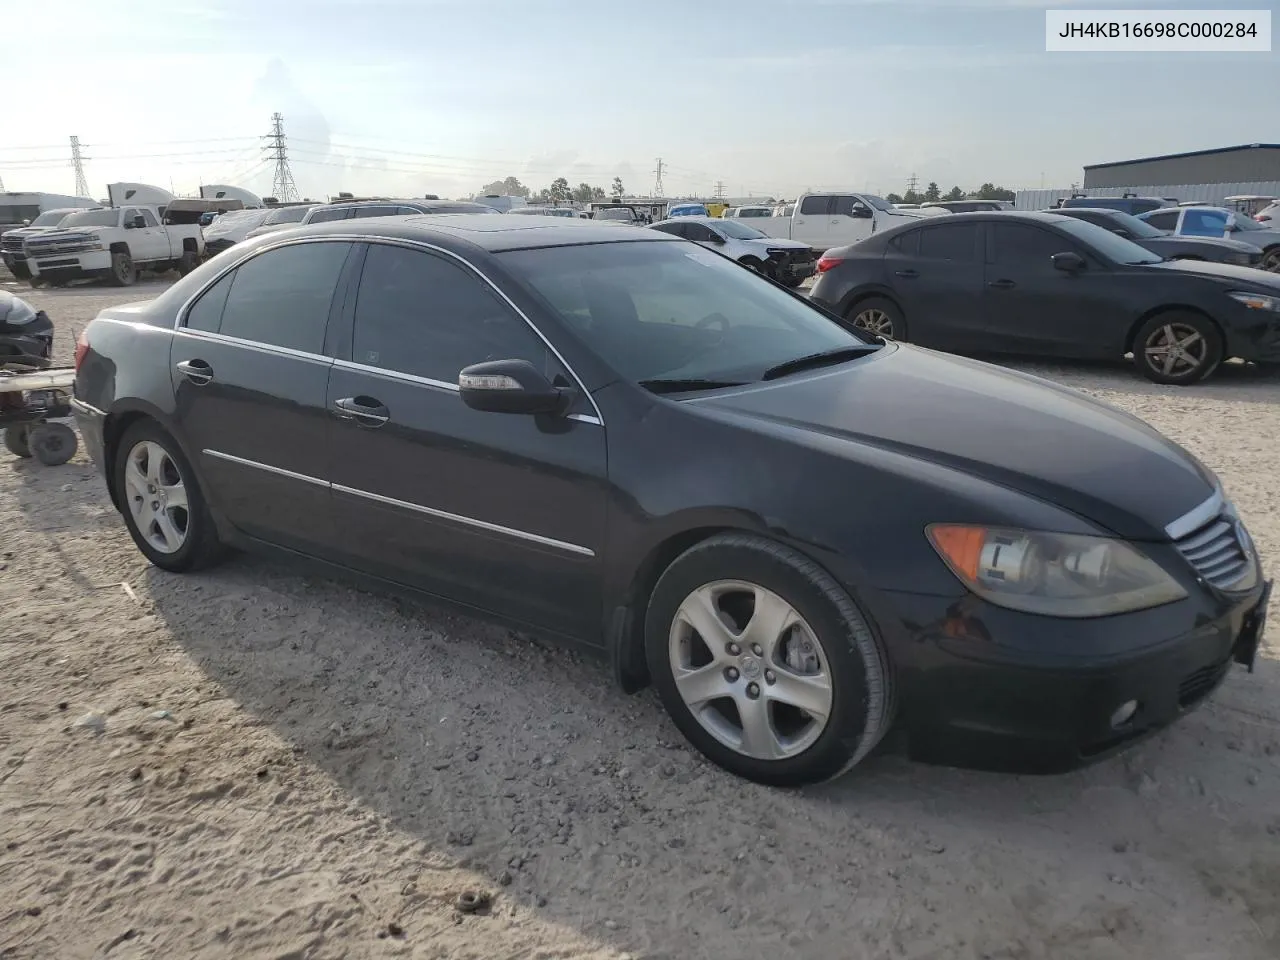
[467, 521]
[279, 471]
[256, 346]
[406, 505]
[395, 375]
[1197, 517]
[180, 319]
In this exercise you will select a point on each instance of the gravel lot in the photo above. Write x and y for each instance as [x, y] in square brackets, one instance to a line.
[252, 763]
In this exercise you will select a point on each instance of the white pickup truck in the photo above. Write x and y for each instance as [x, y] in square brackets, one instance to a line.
[826, 220]
[114, 243]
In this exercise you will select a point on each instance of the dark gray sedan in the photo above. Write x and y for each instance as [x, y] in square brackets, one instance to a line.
[1212, 249]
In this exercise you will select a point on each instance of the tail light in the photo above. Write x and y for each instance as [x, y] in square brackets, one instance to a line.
[82, 347]
[826, 262]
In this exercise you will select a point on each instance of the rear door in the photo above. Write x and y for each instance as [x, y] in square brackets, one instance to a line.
[936, 272]
[499, 511]
[810, 222]
[250, 376]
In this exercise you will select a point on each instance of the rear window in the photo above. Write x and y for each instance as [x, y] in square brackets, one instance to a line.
[954, 241]
[324, 216]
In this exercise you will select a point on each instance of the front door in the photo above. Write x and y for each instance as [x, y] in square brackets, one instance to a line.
[503, 512]
[155, 239]
[851, 220]
[1031, 306]
[936, 272]
[250, 377]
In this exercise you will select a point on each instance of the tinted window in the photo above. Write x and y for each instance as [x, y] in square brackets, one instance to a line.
[377, 211]
[286, 215]
[814, 206]
[675, 229]
[1022, 245]
[321, 216]
[1107, 244]
[951, 242]
[421, 314]
[847, 206]
[906, 243]
[1204, 223]
[700, 233]
[282, 297]
[739, 231]
[206, 313]
[149, 218]
[1163, 221]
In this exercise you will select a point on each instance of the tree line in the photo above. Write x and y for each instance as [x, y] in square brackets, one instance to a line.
[988, 191]
[558, 192]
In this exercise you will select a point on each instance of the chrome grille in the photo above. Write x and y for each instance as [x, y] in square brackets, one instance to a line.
[11, 244]
[1219, 550]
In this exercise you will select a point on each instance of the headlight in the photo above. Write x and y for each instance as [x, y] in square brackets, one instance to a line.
[1054, 574]
[1256, 301]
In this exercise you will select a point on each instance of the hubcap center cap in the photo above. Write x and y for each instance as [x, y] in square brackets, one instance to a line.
[751, 668]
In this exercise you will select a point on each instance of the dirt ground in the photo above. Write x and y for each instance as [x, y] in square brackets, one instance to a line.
[250, 763]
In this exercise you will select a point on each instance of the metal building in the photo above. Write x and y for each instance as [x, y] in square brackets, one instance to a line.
[1249, 163]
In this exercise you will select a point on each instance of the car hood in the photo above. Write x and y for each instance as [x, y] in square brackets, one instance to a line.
[57, 236]
[1009, 428]
[779, 243]
[23, 232]
[1228, 273]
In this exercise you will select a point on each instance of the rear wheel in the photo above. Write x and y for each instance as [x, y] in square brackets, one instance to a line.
[53, 444]
[1177, 348]
[765, 663]
[163, 506]
[190, 260]
[880, 316]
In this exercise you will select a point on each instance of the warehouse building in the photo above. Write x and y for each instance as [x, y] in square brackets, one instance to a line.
[1204, 176]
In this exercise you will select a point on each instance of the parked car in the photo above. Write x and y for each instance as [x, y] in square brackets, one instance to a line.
[789, 262]
[545, 211]
[112, 243]
[1213, 249]
[349, 209]
[13, 251]
[281, 218]
[799, 534]
[1217, 222]
[1050, 285]
[687, 210]
[620, 213]
[748, 213]
[232, 227]
[1269, 216]
[1134, 206]
[825, 220]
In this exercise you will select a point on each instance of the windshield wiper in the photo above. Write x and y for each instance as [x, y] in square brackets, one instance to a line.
[823, 359]
[677, 386]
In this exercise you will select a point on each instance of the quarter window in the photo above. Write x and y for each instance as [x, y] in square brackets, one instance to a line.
[282, 297]
[206, 313]
[955, 241]
[420, 314]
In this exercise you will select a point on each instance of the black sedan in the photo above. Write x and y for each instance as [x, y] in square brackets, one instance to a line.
[1165, 244]
[1045, 284]
[797, 533]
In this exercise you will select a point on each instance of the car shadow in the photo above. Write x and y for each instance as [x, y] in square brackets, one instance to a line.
[508, 754]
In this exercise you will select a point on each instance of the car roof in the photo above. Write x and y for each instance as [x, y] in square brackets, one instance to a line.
[490, 233]
[1072, 211]
[992, 216]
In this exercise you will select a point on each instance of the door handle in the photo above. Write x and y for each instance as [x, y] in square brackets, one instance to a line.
[197, 371]
[364, 410]
[909, 274]
[1002, 284]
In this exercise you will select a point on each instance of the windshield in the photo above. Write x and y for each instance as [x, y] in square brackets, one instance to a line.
[1244, 223]
[739, 231]
[615, 213]
[673, 311]
[1107, 244]
[878, 202]
[286, 215]
[1139, 228]
[92, 218]
[50, 219]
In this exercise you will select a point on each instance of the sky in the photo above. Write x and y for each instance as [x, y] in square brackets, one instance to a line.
[766, 97]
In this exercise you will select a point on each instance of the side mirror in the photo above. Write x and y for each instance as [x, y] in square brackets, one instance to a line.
[138, 223]
[26, 223]
[861, 213]
[511, 386]
[1068, 262]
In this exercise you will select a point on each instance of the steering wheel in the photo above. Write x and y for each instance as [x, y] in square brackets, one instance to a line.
[711, 319]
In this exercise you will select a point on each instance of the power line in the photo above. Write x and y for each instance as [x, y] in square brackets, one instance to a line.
[282, 186]
[77, 162]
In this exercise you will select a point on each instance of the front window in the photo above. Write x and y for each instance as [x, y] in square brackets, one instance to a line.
[92, 218]
[1106, 243]
[878, 202]
[740, 231]
[50, 219]
[659, 311]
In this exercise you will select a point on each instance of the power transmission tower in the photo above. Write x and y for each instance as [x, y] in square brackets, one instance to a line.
[77, 163]
[658, 190]
[1, 184]
[719, 189]
[912, 182]
[282, 186]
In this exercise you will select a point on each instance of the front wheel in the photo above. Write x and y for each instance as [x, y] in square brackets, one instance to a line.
[123, 272]
[163, 506]
[765, 663]
[1271, 260]
[53, 444]
[190, 260]
[758, 265]
[1178, 348]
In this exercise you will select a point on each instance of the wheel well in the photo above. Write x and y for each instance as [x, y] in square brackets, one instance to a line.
[119, 247]
[635, 672]
[1168, 308]
[189, 245]
[113, 429]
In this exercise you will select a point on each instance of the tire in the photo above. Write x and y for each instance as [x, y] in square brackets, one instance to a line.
[123, 272]
[53, 444]
[16, 441]
[197, 544]
[190, 260]
[792, 282]
[758, 265]
[880, 316]
[832, 641]
[35, 282]
[1200, 348]
[1271, 260]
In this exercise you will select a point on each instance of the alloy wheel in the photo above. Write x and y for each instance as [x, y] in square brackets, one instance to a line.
[157, 496]
[876, 321]
[750, 669]
[1176, 349]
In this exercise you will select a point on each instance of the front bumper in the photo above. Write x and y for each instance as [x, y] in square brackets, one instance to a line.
[71, 266]
[966, 705]
[16, 264]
